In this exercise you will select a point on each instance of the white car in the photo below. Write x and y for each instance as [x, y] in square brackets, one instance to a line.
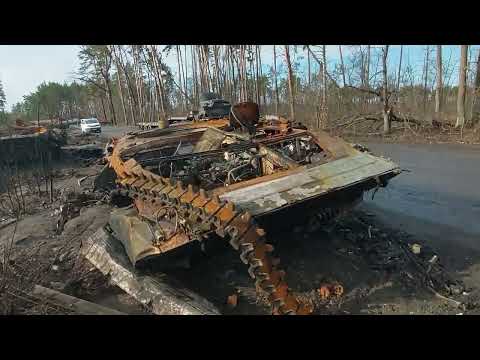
[90, 126]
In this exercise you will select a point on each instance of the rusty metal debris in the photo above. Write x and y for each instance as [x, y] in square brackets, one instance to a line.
[224, 177]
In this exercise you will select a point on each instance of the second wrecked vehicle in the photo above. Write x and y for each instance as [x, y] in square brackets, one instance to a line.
[211, 107]
[231, 181]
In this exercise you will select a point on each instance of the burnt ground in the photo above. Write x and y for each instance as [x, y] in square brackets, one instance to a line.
[376, 268]
[367, 251]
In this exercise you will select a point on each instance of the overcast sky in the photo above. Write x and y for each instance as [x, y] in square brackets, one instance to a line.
[24, 67]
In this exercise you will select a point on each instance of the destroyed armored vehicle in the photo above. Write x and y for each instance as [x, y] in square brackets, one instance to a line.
[212, 106]
[232, 180]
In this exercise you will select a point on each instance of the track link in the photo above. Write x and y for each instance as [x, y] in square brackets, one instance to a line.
[234, 225]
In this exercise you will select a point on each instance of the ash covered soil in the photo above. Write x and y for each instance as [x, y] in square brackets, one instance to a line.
[388, 260]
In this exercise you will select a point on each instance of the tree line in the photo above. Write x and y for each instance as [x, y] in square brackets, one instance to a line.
[127, 84]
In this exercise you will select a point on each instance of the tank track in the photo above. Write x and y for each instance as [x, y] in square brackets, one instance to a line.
[222, 217]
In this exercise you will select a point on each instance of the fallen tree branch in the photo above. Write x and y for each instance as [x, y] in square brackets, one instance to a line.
[369, 91]
[377, 117]
[372, 91]
[72, 303]
[357, 120]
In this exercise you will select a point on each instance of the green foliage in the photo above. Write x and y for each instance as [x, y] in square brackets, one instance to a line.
[52, 100]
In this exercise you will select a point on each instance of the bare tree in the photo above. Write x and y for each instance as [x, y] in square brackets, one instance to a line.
[309, 69]
[261, 74]
[342, 65]
[367, 68]
[399, 72]
[425, 87]
[157, 72]
[257, 87]
[180, 79]
[438, 92]
[277, 100]
[462, 83]
[96, 61]
[324, 76]
[119, 81]
[476, 94]
[290, 82]
[138, 76]
[386, 108]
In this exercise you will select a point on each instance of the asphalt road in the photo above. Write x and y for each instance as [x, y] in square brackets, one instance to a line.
[439, 198]
[112, 131]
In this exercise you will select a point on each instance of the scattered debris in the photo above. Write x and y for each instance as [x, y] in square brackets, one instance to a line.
[72, 203]
[161, 298]
[56, 268]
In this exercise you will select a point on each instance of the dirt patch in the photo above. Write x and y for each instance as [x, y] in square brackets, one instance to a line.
[35, 250]
[374, 264]
[39, 256]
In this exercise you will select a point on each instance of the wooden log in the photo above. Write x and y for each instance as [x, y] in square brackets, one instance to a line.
[75, 304]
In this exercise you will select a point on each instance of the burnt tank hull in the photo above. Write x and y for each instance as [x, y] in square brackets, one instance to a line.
[333, 182]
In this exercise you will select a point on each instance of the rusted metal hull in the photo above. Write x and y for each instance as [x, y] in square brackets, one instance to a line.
[184, 123]
[343, 169]
[311, 183]
[233, 178]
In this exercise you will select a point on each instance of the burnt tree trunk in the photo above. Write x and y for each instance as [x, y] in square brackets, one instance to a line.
[276, 80]
[476, 93]
[110, 99]
[342, 65]
[324, 110]
[290, 82]
[119, 84]
[309, 69]
[257, 85]
[438, 92]
[386, 107]
[462, 82]
[399, 74]
[425, 86]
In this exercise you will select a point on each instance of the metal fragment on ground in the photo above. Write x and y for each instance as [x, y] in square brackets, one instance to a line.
[161, 298]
